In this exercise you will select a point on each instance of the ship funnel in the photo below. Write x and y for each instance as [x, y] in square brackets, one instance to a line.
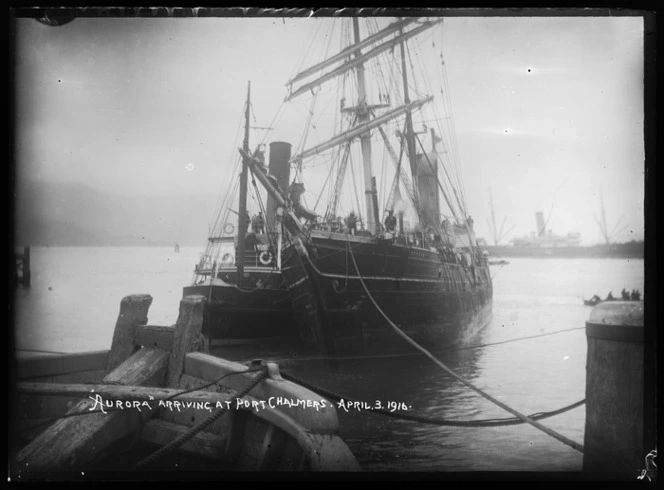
[541, 225]
[427, 186]
[280, 153]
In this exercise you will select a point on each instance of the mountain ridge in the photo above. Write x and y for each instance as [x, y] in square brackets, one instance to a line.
[74, 214]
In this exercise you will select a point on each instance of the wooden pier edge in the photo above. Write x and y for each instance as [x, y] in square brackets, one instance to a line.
[74, 442]
[152, 356]
[614, 442]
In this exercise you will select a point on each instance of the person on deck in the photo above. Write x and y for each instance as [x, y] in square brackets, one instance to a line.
[610, 296]
[260, 222]
[351, 223]
[625, 294]
[391, 222]
[254, 223]
[636, 296]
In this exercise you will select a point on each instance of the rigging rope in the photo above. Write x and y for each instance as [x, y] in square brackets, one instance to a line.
[505, 407]
[173, 445]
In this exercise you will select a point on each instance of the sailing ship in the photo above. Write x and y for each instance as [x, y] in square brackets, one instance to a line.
[403, 256]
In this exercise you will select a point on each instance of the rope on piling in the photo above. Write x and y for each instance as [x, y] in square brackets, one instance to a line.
[330, 395]
[172, 446]
[505, 407]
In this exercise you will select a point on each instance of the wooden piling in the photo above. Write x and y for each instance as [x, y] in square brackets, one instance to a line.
[22, 267]
[75, 441]
[614, 433]
[26, 267]
[188, 336]
[133, 312]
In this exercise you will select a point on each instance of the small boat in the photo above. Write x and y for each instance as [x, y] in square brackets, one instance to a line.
[595, 301]
[157, 401]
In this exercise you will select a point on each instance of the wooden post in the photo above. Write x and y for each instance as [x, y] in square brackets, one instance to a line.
[133, 312]
[26, 267]
[613, 445]
[188, 336]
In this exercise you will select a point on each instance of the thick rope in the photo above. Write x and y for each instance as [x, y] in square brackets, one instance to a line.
[172, 446]
[429, 420]
[505, 407]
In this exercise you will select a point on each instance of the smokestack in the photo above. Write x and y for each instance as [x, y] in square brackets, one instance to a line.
[280, 153]
[541, 225]
[427, 186]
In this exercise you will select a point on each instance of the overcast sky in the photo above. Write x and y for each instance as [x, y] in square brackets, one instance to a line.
[548, 110]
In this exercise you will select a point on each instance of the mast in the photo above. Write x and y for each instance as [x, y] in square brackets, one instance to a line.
[410, 134]
[365, 138]
[242, 210]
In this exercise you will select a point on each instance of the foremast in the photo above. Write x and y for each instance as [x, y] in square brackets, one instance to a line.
[242, 206]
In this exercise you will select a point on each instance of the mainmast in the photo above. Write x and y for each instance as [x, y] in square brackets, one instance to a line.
[242, 221]
[410, 134]
[365, 139]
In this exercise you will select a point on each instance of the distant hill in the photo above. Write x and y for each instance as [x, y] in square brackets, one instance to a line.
[70, 214]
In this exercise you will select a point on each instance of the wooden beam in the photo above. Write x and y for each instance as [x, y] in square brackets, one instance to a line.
[133, 312]
[47, 365]
[188, 336]
[155, 336]
[75, 442]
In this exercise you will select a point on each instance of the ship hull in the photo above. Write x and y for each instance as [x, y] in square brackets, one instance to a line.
[436, 304]
[259, 309]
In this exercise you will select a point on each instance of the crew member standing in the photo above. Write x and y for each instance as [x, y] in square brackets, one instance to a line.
[391, 222]
[351, 223]
[260, 223]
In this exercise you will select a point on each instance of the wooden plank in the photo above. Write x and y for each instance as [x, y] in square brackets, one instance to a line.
[188, 336]
[53, 365]
[160, 432]
[155, 337]
[268, 440]
[194, 417]
[237, 423]
[133, 312]
[74, 442]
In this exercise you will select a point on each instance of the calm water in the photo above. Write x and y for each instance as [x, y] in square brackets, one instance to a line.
[75, 296]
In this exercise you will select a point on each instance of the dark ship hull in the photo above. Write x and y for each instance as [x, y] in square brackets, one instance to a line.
[436, 303]
[259, 309]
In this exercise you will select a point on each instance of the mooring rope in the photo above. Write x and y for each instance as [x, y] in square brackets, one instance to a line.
[172, 446]
[505, 407]
[432, 420]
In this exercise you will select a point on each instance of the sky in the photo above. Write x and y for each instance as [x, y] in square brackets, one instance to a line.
[548, 110]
